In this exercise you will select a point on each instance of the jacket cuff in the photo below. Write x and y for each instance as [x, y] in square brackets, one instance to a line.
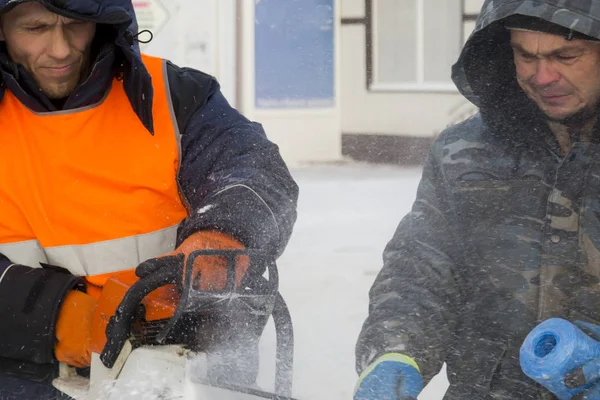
[30, 299]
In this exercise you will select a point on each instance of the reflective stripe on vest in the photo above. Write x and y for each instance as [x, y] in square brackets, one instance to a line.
[90, 190]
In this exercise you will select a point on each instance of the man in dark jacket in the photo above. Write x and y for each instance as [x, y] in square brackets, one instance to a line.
[505, 230]
[110, 159]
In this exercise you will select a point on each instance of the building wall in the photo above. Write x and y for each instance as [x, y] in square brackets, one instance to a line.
[197, 34]
[392, 124]
[368, 121]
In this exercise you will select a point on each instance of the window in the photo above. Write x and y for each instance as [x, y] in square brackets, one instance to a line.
[415, 43]
[471, 9]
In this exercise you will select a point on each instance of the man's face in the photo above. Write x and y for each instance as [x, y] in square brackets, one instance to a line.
[562, 77]
[55, 50]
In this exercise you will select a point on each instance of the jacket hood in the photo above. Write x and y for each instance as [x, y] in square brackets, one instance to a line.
[107, 12]
[485, 72]
[118, 13]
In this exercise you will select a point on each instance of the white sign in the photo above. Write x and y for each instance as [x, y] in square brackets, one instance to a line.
[151, 15]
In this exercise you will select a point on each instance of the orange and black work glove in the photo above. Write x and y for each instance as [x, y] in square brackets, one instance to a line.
[208, 273]
[74, 329]
[212, 269]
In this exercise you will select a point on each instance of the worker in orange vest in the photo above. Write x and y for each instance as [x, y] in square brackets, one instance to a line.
[110, 159]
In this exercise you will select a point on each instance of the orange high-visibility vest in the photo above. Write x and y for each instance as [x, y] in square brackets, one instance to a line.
[90, 190]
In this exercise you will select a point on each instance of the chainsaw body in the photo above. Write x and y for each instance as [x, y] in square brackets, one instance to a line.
[152, 372]
[138, 351]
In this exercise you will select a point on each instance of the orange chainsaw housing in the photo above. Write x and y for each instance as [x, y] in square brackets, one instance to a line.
[110, 289]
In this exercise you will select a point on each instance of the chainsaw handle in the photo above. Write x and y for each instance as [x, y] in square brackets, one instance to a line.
[118, 329]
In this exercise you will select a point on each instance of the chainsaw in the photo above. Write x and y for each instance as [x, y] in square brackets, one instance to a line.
[161, 337]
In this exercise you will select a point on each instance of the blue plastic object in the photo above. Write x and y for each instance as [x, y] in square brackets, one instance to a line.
[552, 350]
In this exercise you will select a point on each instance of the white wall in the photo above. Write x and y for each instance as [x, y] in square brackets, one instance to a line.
[391, 113]
[353, 9]
[200, 34]
[472, 6]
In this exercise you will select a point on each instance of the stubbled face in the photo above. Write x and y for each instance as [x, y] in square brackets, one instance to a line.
[562, 77]
[55, 50]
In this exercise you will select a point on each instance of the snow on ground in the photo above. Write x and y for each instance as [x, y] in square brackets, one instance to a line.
[347, 213]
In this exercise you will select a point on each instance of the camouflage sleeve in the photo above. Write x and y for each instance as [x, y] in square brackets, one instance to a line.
[412, 301]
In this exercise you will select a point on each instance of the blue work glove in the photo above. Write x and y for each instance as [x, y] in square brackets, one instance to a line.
[589, 373]
[392, 376]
